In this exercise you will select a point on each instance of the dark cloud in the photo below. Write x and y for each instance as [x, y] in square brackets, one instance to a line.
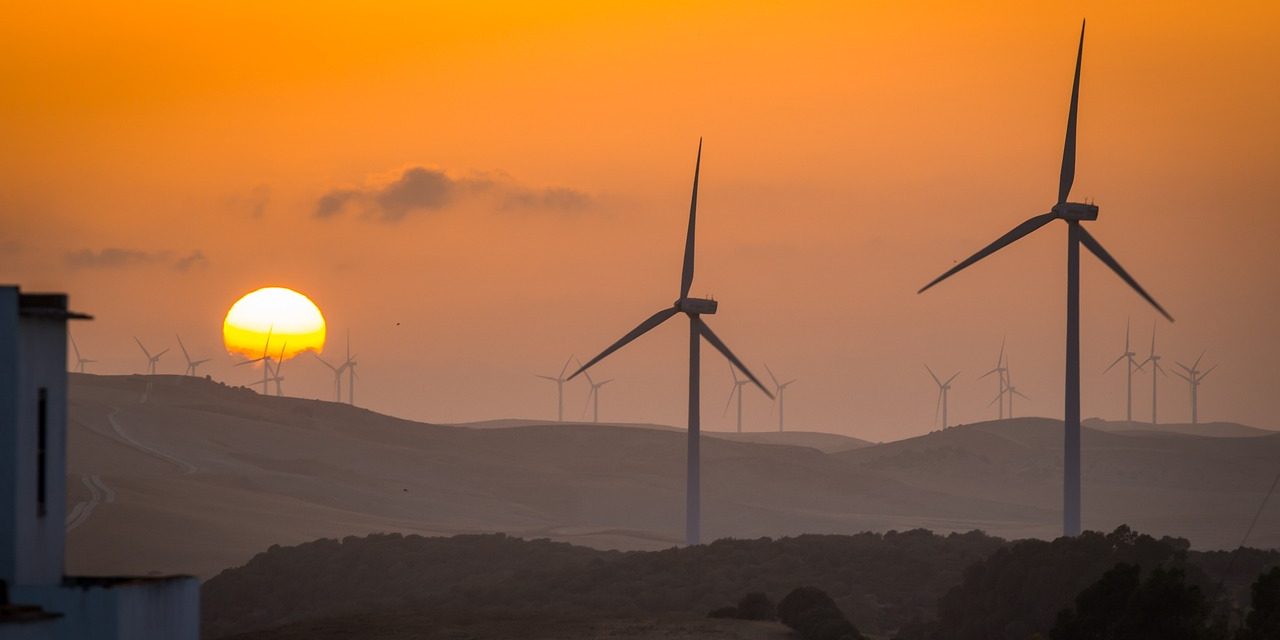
[421, 189]
[117, 258]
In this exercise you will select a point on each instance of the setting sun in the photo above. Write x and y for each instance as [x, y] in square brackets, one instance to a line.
[292, 320]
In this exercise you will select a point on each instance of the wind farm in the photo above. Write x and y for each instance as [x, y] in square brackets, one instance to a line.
[474, 193]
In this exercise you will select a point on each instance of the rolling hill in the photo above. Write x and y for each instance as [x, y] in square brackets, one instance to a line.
[176, 474]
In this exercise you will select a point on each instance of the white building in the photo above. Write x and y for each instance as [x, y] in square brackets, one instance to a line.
[42, 601]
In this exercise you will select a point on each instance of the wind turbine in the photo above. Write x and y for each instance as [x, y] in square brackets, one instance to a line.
[1010, 389]
[694, 308]
[265, 359]
[781, 390]
[738, 383]
[1133, 363]
[277, 377]
[337, 375]
[999, 370]
[559, 380]
[944, 390]
[1194, 377]
[593, 396]
[1154, 359]
[80, 361]
[1072, 213]
[151, 359]
[350, 365]
[191, 364]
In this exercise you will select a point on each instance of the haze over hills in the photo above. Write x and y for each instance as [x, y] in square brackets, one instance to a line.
[180, 474]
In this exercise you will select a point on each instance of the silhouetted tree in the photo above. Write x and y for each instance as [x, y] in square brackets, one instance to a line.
[756, 606]
[1263, 621]
[1120, 605]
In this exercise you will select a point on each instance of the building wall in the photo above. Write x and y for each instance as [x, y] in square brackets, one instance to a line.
[147, 609]
[33, 539]
[28, 630]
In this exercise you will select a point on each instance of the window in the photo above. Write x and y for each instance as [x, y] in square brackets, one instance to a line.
[42, 442]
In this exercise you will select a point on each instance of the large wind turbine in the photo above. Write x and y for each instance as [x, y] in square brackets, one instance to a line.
[780, 388]
[151, 359]
[593, 396]
[1133, 364]
[80, 361]
[694, 308]
[1154, 359]
[999, 370]
[191, 364]
[1072, 213]
[1194, 377]
[738, 383]
[944, 390]
[559, 380]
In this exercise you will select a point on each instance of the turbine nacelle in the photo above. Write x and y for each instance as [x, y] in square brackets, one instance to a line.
[697, 306]
[1076, 211]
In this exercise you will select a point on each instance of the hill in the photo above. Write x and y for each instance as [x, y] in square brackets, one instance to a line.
[179, 474]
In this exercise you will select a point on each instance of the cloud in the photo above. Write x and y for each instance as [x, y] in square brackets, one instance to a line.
[117, 258]
[419, 189]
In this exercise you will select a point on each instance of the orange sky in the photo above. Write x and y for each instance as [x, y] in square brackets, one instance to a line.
[853, 152]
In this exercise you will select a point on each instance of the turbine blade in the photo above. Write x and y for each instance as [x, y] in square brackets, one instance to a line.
[157, 356]
[244, 362]
[144, 349]
[735, 389]
[1094, 246]
[566, 366]
[643, 328]
[1206, 373]
[1196, 364]
[551, 378]
[686, 276]
[322, 360]
[1185, 368]
[931, 375]
[1003, 241]
[953, 377]
[771, 376]
[937, 407]
[1153, 337]
[75, 346]
[999, 397]
[720, 346]
[1115, 363]
[183, 347]
[587, 373]
[1020, 394]
[1068, 175]
[1181, 376]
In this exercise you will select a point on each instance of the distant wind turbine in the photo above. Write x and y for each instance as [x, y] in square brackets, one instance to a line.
[191, 364]
[1154, 359]
[1194, 377]
[265, 359]
[350, 365]
[694, 308]
[1132, 365]
[944, 390]
[1072, 214]
[151, 359]
[559, 380]
[780, 390]
[80, 361]
[278, 376]
[593, 396]
[738, 383]
[337, 375]
[1009, 388]
[999, 370]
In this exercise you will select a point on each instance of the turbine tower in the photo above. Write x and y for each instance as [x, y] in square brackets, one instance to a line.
[191, 364]
[350, 365]
[944, 390]
[80, 361]
[1072, 214]
[781, 390]
[1154, 359]
[999, 370]
[1194, 377]
[151, 359]
[559, 380]
[738, 383]
[1133, 364]
[593, 396]
[277, 377]
[694, 308]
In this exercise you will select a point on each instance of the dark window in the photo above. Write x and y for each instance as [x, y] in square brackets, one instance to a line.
[42, 441]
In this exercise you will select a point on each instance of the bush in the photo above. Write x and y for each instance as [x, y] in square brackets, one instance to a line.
[1263, 621]
[756, 606]
[815, 616]
[1121, 605]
